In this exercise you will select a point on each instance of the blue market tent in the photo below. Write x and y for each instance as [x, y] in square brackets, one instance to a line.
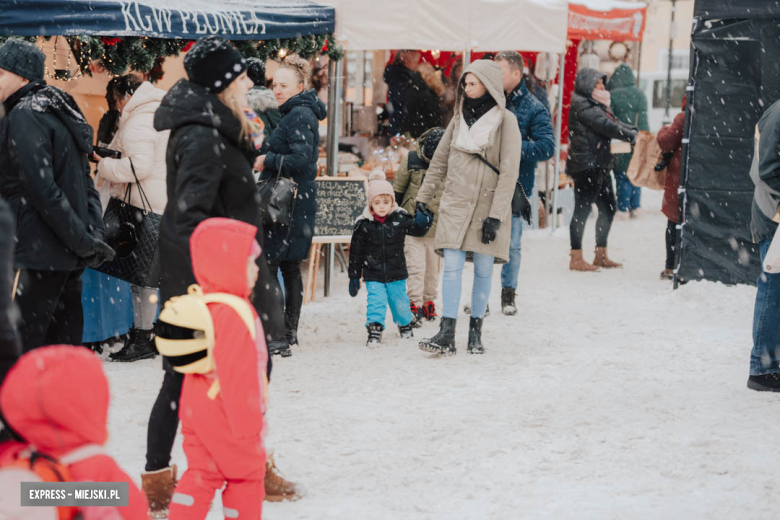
[186, 19]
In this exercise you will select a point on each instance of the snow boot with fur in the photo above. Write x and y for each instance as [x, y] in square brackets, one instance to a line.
[475, 336]
[158, 487]
[277, 489]
[374, 334]
[508, 301]
[577, 263]
[602, 260]
[443, 342]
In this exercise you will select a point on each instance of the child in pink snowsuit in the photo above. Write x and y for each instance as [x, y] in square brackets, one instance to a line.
[223, 438]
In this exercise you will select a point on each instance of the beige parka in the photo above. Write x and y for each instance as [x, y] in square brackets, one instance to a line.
[472, 190]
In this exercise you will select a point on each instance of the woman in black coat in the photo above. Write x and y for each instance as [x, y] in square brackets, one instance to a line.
[209, 164]
[592, 126]
[293, 152]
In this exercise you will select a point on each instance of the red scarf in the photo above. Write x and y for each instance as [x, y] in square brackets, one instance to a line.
[381, 220]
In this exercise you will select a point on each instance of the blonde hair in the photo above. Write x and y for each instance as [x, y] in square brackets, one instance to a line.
[432, 78]
[237, 106]
[300, 67]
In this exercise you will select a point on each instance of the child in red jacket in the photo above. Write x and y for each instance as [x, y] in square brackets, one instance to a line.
[223, 437]
[57, 399]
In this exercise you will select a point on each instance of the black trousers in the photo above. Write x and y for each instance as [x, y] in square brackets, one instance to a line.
[164, 420]
[293, 297]
[671, 242]
[592, 186]
[49, 303]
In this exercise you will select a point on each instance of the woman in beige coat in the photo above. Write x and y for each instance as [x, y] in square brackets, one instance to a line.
[143, 157]
[482, 137]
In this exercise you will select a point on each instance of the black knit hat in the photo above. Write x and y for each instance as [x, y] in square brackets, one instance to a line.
[213, 64]
[256, 71]
[23, 59]
[429, 141]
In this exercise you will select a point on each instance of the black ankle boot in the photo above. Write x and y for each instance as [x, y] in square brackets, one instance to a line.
[140, 345]
[508, 301]
[291, 329]
[406, 330]
[279, 347]
[475, 336]
[374, 334]
[443, 342]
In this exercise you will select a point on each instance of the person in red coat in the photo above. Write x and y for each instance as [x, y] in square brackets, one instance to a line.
[223, 437]
[670, 140]
[56, 398]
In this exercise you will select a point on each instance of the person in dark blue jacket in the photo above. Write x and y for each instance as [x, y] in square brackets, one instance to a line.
[400, 76]
[538, 145]
[293, 150]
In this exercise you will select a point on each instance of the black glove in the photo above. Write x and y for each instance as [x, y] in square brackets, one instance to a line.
[354, 286]
[101, 252]
[489, 229]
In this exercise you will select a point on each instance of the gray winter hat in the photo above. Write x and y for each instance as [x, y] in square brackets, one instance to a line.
[23, 59]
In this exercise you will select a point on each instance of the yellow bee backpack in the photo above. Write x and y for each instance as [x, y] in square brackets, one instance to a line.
[184, 333]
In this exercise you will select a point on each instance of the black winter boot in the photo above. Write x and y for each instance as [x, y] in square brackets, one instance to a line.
[279, 347]
[375, 334]
[508, 301]
[140, 345]
[765, 383]
[406, 330]
[475, 336]
[291, 329]
[417, 315]
[443, 342]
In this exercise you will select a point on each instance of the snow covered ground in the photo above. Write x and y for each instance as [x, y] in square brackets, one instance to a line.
[608, 396]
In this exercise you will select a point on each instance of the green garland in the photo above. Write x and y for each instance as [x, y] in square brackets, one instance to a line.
[145, 55]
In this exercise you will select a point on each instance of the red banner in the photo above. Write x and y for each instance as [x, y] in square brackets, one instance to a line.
[615, 25]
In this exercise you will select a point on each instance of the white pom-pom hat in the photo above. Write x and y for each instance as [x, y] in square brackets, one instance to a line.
[378, 185]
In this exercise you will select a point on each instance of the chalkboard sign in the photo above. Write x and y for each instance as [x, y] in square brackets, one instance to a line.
[340, 200]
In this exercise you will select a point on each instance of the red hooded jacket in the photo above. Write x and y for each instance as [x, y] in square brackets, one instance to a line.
[57, 399]
[220, 251]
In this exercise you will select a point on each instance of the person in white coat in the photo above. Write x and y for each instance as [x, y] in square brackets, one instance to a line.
[143, 157]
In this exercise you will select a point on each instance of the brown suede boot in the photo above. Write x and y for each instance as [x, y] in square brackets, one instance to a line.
[578, 263]
[602, 260]
[159, 486]
[277, 488]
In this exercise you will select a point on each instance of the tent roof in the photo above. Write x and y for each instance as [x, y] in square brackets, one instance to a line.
[187, 19]
[452, 25]
[718, 9]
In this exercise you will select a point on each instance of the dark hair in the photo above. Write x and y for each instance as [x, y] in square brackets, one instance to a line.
[111, 93]
[126, 85]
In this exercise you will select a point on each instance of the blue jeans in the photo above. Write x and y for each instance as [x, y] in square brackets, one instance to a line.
[511, 269]
[454, 260]
[380, 295]
[628, 196]
[766, 322]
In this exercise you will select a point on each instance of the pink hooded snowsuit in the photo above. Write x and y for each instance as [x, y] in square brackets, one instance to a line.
[223, 438]
[57, 399]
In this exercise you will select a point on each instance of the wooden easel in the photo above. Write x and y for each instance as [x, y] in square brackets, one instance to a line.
[315, 253]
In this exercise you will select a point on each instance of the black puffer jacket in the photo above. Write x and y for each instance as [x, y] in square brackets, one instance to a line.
[209, 175]
[44, 145]
[10, 344]
[591, 127]
[294, 147]
[377, 248]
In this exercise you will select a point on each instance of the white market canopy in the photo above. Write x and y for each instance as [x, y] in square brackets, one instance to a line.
[452, 25]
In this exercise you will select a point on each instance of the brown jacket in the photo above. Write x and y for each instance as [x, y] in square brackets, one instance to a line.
[670, 140]
[472, 190]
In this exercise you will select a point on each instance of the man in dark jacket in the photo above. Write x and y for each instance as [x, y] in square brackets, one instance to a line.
[629, 104]
[44, 144]
[400, 76]
[538, 145]
[765, 173]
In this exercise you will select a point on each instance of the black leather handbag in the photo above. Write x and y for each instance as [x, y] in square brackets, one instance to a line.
[277, 198]
[521, 206]
[134, 234]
